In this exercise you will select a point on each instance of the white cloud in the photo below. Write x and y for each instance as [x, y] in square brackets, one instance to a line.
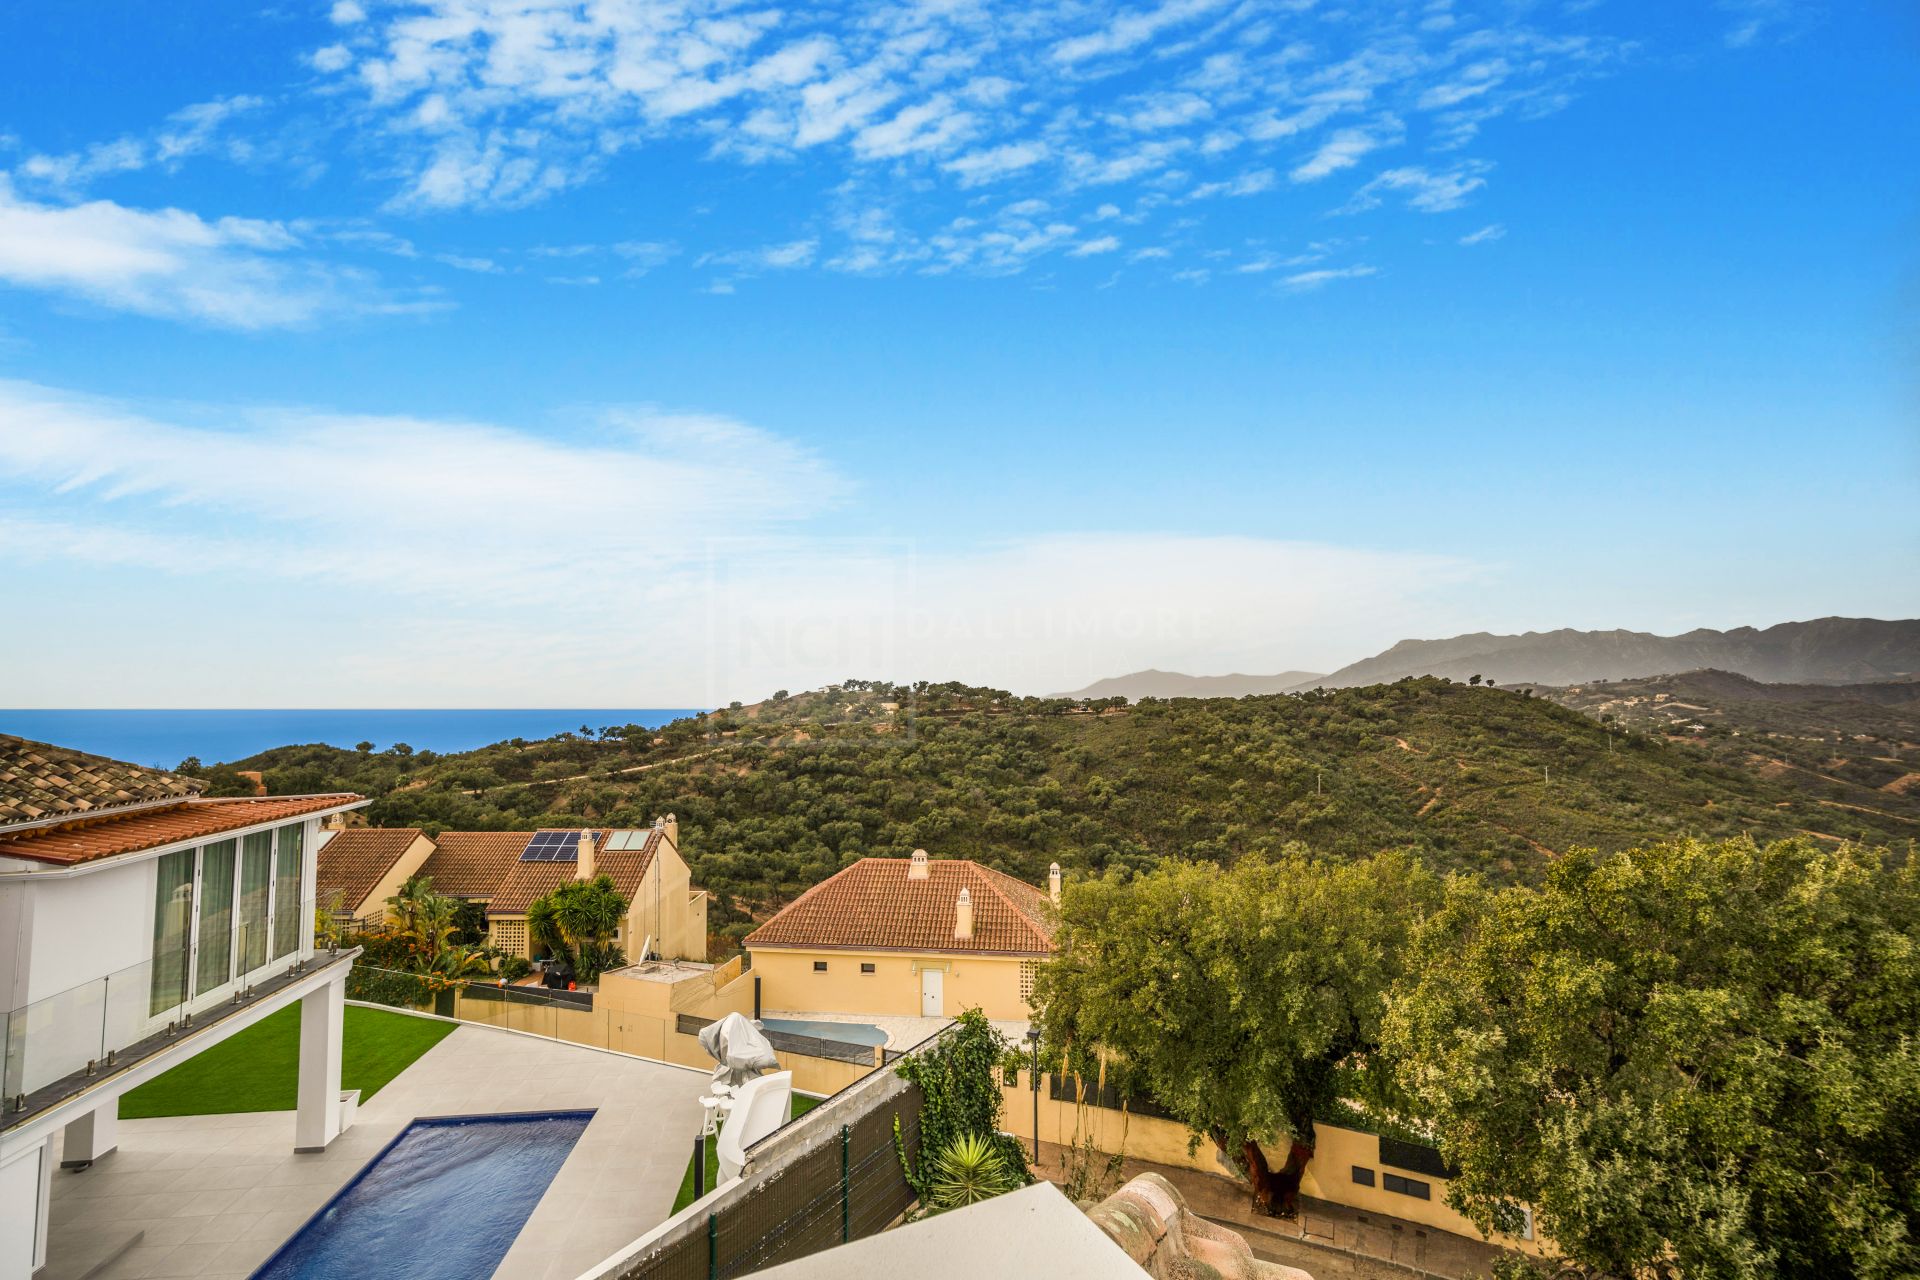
[1130, 30]
[1306, 280]
[474, 563]
[1755, 19]
[1342, 150]
[996, 162]
[1491, 232]
[187, 132]
[346, 12]
[505, 103]
[1089, 248]
[1425, 190]
[462, 262]
[238, 273]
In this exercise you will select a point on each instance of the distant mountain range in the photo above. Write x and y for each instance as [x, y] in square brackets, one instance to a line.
[1171, 684]
[1823, 651]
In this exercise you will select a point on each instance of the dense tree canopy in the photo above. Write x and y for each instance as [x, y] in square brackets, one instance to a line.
[1692, 1060]
[1247, 1001]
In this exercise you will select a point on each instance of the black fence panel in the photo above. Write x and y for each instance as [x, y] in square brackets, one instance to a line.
[1075, 1089]
[846, 1184]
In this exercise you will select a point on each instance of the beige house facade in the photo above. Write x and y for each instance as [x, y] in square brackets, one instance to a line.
[908, 937]
[361, 867]
[506, 871]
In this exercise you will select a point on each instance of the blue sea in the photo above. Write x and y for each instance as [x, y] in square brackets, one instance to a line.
[165, 738]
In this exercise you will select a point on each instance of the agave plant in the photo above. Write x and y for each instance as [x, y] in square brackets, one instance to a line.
[967, 1172]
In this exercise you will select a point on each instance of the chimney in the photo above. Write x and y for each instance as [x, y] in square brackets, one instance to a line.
[673, 830]
[1053, 883]
[963, 918]
[917, 869]
[583, 862]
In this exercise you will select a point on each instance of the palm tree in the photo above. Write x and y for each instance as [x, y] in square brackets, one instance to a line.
[438, 924]
[404, 907]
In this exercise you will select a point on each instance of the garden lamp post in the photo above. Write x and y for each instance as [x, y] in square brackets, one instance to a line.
[1033, 1034]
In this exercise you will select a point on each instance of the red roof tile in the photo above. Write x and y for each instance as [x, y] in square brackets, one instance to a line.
[84, 839]
[872, 905]
[354, 861]
[530, 880]
[472, 864]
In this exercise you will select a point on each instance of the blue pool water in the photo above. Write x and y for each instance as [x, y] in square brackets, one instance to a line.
[444, 1201]
[846, 1032]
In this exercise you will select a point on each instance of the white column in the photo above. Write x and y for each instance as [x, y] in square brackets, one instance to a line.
[26, 1189]
[91, 1136]
[322, 1016]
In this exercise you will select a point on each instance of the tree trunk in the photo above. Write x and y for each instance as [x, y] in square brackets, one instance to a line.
[1288, 1179]
[1269, 1189]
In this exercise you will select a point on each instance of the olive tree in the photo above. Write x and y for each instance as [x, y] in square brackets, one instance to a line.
[1246, 1001]
[1691, 1060]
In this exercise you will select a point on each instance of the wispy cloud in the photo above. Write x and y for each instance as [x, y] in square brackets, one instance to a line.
[1303, 281]
[187, 132]
[1756, 20]
[512, 574]
[1342, 150]
[239, 273]
[510, 102]
[1423, 189]
[1492, 231]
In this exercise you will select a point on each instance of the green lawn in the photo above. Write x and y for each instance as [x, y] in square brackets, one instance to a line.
[801, 1105]
[257, 1069]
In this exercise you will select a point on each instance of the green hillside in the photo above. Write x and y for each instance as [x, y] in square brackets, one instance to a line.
[1845, 747]
[774, 797]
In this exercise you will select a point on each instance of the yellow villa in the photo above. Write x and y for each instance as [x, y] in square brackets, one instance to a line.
[505, 871]
[913, 937]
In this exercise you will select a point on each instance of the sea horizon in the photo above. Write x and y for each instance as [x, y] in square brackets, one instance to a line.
[164, 737]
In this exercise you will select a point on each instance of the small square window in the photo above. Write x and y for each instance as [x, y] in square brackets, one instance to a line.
[1407, 1186]
[1363, 1176]
[819, 966]
[866, 968]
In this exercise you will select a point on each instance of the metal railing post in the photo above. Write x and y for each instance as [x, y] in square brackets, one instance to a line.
[713, 1247]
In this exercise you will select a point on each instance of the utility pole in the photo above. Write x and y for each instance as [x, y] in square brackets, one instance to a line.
[1316, 782]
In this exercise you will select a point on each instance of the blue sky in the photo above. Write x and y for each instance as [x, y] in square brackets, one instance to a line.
[517, 353]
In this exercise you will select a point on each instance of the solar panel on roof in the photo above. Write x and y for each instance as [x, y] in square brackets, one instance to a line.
[554, 846]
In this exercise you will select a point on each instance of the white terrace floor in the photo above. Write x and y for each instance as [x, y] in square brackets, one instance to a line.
[216, 1195]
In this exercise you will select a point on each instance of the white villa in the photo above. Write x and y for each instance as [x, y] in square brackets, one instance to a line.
[141, 923]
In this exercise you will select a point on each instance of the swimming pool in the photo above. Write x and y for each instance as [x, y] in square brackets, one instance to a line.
[845, 1032]
[443, 1201]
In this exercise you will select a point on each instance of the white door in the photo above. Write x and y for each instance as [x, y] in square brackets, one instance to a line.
[931, 1005]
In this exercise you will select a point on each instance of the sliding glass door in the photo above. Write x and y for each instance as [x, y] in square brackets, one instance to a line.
[172, 930]
[289, 926]
[213, 957]
[256, 882]
[223, 911]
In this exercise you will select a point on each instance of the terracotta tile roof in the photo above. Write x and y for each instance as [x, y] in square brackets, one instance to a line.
[84, 840]
[472, 864]
[872, 905]
[39, 780]
[357, 859]
[530, 880]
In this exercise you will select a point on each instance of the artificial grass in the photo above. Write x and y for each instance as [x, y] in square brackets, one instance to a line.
[259, 1069]
[801, 1105]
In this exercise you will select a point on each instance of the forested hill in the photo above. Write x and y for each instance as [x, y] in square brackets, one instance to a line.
[774, 797]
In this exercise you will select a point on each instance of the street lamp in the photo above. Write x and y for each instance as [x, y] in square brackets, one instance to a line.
[1033, 1034]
